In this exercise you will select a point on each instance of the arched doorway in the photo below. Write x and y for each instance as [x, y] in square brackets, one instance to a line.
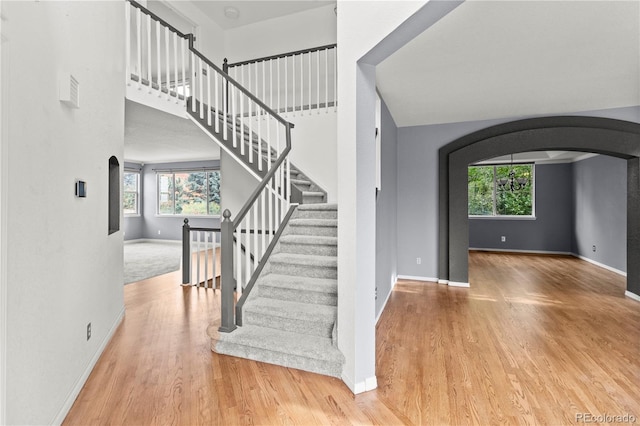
[616, 138]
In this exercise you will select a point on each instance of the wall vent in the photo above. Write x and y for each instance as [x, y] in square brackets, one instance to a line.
[69, 91]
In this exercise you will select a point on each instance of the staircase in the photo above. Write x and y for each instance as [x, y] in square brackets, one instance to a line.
[290, 316]
[279, 252]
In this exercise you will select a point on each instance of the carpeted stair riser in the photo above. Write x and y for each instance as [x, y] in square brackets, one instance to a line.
[289, 244]
[315, 214]
[312, 198]
[311, 327]
[312, 271]
[295, 295]
[322, 227]
[328, 368]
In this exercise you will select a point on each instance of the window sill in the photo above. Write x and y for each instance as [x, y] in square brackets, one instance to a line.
[180, 216]
[132, 215]
[503, 217]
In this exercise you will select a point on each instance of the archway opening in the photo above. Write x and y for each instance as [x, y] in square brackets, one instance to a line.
[586, 134]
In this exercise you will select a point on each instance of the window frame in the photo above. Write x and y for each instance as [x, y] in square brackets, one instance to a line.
[137, 192]
[173, 173]
[495, 215]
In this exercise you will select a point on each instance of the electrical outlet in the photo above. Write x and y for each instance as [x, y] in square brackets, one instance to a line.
[88, 331]
[503, 239]
[418, 260]
[593, 248]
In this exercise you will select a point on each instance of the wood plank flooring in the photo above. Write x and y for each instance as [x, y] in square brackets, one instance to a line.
[535, 340]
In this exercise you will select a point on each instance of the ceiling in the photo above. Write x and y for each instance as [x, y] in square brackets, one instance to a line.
[153, 136]
[250, 12]
[492, 59]
[539, 157]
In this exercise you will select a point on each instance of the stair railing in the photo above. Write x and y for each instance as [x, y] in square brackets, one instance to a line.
[243, 126]
[156, 55]
[295, 82]
[199, 250]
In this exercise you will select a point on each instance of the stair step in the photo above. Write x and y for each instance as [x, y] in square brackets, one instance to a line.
[312, 226]
[309, 244]
[293, 350]
[322, 291]
[317, 211]
[300, 182]
[304, 265]
[303, 318]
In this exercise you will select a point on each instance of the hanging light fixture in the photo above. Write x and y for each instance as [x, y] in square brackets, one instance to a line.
[512, 183]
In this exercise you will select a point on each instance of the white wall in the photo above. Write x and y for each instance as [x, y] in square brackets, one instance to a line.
[361, 26]
[302, 30]
[64, 270]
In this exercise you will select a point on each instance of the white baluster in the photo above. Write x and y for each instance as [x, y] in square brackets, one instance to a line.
[193, 81]
[201, 88]
[255, 236]
[159, 77]
[293, 84]
[247, 249]
[264, 86]
[216, 96]
[326, 80]
[249, 105]
[286, 86]
[239, 256]
[335, 79]
[198, 258]
[206, 259]
[278, 84]
[270, 195]
[168, 64]
[301, 83]
[234, 132]
[225, 101]
[209, 95]
[310, 80]
[287, 186]
[242, 120]
[318, 81]
[139, 47]
[214, 257]
[127, 45]
[149, 51]
[259, 124]
[268, 139]
[175, 65]
[263, 214]
[271, 84]
[184, 79]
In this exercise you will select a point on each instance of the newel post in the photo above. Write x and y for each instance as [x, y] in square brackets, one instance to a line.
[186, 252]
[227, 321]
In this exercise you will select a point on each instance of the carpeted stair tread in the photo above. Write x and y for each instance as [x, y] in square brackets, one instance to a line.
[312, 194]
[309, 239]
[300, 182]
[293, 350]
[293, 282]
[292, 310]
[305, 260]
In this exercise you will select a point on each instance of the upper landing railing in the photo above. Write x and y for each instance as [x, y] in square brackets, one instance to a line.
[292, 83]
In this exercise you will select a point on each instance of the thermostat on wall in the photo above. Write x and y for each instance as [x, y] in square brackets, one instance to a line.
[81, 189]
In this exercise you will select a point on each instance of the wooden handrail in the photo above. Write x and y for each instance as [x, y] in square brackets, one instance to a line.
[159, 19]
[282, 55]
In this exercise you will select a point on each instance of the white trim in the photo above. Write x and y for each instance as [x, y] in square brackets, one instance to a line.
[152, 240]
[347, 381]
[458, 284]
[370, 383]
[443, 281]
[384, 305]
[82, 380]
[602, 265]
[417, 278]
[565, 253]
[631, 295]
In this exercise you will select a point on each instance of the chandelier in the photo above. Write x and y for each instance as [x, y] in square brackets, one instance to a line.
[512, 183]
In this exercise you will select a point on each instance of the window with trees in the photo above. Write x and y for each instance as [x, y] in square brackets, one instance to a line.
[189, 193]
[131, 196]
[501, 190]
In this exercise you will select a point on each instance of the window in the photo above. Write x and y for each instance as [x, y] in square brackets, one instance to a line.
[114, 195]
[189, 193]
[131, 196]
[501, 190]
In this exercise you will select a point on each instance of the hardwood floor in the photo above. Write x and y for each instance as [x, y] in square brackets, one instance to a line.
[535, 340]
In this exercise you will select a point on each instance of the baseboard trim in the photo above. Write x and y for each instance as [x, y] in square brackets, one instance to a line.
[443, 281]
[601, 265]
[631, 295]
[458, 284]
[83, 379]
[417, 278]
[152, 240]
[550, 252]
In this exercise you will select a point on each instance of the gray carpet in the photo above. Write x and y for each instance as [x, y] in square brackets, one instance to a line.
[144, 260]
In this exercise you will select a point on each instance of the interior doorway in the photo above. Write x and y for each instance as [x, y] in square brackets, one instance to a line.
[587, 134]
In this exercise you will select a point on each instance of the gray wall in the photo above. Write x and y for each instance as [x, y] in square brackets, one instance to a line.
[386, 212]
[599, 208]
[418, 185]
[551, 229]
[149, 223]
